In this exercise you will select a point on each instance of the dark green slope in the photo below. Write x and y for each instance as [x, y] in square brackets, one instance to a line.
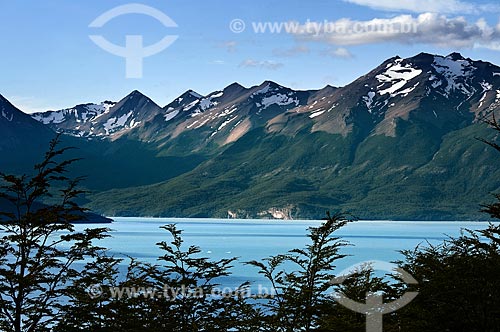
[104, 164]
[21, 137]
[125, 163]
[417, 176]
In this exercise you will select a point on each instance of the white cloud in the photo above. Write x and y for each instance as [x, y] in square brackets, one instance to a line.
[229, 46]
[434, 6]
[296, 50]
[428, 28]
[339, 52]
[263, 64]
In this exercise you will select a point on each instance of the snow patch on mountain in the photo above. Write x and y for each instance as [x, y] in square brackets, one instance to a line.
[278, 99]
[436, 84]
[192, 124]
[204, 122]
[397, 76]
[169, 116]
[202, 104]
[100, 110]
[273, 94]
[80, 114]
[207, 103]
[116, 123]
[456, 73]
[134, 123]
[369, 99]
[262, 91]
[450, 67]
[6, 116]
[407, 91]
[313, 104]
[190, 105]
[217, 95]
[53, 117]
[317, 113]
[227, 111]
[486, 86]
[225, 123]
[481, 102]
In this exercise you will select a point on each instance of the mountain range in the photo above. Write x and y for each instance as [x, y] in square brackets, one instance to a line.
[397, 143]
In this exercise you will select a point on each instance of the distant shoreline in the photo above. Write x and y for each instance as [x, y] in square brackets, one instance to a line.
[233, 221]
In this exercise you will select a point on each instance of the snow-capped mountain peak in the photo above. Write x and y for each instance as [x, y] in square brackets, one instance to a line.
[266, 87]
[183, 100]
[103, 119]
[205, 103]
[444, 90]
[80, 114]
[270, 93]
[457, 73]
[396, 77]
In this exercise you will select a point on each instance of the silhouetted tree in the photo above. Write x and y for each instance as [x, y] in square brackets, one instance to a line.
[179, 293]
[38, 244]
[199, 304]
[90, 305]
[459, 284]
[302, 297]
[337, 318]
[493, 209]
[42, 290]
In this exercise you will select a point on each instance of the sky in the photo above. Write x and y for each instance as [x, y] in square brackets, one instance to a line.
[48, 60]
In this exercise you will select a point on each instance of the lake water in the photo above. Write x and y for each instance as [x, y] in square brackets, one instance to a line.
[257, 239]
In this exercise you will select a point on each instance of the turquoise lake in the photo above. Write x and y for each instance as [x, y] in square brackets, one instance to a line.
[257, 239]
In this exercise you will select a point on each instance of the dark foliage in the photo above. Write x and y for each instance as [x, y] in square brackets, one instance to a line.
[493, 209]
[39, 247]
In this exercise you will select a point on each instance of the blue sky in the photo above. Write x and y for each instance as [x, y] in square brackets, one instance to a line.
[48, 61]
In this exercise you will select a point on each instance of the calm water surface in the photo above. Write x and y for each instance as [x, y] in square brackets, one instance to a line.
[257, 239]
